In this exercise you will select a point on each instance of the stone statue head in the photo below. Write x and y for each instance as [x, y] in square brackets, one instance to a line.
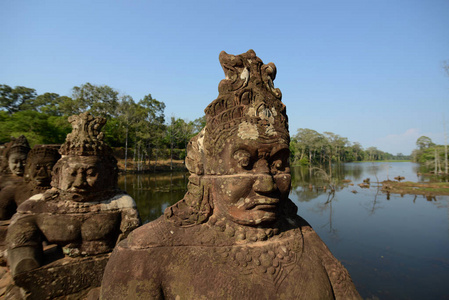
[87, 170]
[39, 165]
[239, 163]
[15, 156]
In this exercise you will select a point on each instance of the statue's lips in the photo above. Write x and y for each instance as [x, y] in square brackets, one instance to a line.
[265, 207]
[77, 191]
[265, 203]
[42, 179]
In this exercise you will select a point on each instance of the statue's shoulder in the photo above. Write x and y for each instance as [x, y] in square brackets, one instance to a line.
[158, 233]
[120, 200]
[34, 204]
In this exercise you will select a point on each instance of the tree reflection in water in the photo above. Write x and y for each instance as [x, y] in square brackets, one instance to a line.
[153, 193]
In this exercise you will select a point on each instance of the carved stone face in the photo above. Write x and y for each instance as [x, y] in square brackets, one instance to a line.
[39, 170]
[257, 179]
[16, 162]
[83, 176]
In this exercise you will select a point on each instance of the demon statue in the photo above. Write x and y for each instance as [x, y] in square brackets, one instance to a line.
[235, 234]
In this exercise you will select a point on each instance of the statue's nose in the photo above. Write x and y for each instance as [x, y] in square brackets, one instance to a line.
[80, 180]
[264, 183]
[42, 171]
[261, 167]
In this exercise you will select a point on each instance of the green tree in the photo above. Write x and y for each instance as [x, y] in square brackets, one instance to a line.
[16, 99]
[37, 127]
[424, 142]
[53, 104]
[143, 125]
[309, 141]
[336, 145]
[178, 133]
[199, 124]
[100, 100]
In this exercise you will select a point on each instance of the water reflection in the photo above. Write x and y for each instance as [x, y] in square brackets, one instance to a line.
[154, 192]
[395, 247]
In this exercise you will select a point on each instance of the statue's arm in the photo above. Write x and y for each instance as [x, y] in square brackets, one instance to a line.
[24, 244]
[7, 202]
[132, 274]
[339, 277]
[130, 220]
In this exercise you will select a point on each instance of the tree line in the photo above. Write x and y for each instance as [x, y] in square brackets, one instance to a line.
[309, 147]
[141, 130]
[138, 127]
[433, 156]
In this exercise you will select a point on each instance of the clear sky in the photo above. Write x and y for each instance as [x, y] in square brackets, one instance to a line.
[370, 71]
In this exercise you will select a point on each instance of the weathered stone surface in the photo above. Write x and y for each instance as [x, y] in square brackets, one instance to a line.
[84, 214]
[3, 231]
[235, 234]
[69, 277]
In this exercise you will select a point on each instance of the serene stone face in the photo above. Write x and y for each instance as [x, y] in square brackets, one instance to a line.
[16, 162]
[257, 181]
[83, 176]
[39, 170]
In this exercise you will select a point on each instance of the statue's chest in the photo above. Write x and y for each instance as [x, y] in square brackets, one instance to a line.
[76, 227]
[277, 270]
[271, 262]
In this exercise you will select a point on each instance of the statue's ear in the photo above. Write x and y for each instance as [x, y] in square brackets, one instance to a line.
[195, 154]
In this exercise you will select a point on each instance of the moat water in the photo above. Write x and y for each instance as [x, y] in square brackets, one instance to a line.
[394, 247]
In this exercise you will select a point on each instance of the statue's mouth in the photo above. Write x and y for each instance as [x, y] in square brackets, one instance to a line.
[42, 180]
[262, 203]
[265, 207]
[77, 191]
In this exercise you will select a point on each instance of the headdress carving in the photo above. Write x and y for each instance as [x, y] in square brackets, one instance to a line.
[41, 152]
[20, 145]
[248, 105]
[86, 138]
[44, 150]
[16, 145]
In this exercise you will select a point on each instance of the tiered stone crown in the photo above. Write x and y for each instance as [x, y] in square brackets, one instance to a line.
[248, 105]
[86, 138]
[19, 144]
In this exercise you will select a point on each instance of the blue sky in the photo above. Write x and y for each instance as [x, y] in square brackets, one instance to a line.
[370, 71]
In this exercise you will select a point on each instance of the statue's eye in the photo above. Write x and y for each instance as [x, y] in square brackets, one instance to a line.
[91, 172]
[279, 162]
[243, 158]
[277, 166]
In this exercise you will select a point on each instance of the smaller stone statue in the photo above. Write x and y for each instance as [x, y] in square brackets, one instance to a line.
[13, 162]
[84, 214]
[36, 179]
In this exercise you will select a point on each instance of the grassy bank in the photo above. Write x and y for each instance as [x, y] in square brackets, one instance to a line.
[153, 166]
[415, 188]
